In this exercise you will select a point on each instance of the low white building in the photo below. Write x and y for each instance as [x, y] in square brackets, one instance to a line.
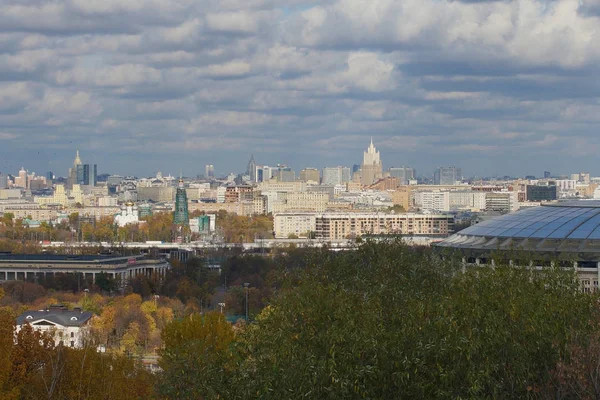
[434, 201]
[68, 327]
[298, 224]
[565, 185]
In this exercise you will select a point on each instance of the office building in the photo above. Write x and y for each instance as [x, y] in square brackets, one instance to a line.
[547, 175]
[542, 193]
[447, 176]
[372, 169]
[21, 180]
[336, 175]
[3, 181]
[403, 197]
[156, 194]
[467, 200]
[114, 180]
[209, 171]
[302, 201]
[264, 173]
[310, 175]
[503, 202]
[251, 170]
[90, 175]
[285, 174]
[181, 215]
[433, 201]
[403, 174]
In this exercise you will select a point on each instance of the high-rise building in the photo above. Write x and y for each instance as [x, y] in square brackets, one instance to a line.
[86, 174]
[447, 176]
[49, 177]
[209, 171]
[264, 173]
[80, 171]
[21, 180]
[285, 174]
[73, 172]
[3, 181]
[181, 216]
[251, 170]
[404, 174]
[89, 175]
[547, 174]
[372, 169]
[336, 175]
[310, 175]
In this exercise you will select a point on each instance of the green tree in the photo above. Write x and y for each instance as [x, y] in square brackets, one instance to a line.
[196, 357]
[386, 320]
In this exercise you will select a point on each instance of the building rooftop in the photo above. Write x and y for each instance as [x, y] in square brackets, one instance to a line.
[55, 315]
[566, 227]
[66, 258]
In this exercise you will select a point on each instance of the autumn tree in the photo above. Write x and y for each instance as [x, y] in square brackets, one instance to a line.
[8, 390]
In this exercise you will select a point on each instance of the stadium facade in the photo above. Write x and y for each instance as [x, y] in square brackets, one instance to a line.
[567, 234]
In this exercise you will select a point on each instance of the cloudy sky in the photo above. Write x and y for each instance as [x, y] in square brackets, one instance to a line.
[496, 87]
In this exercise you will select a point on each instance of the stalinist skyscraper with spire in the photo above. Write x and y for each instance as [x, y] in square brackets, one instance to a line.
[73, 171]
[372, 170]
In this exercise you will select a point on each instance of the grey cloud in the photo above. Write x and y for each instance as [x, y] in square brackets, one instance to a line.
[154, 84]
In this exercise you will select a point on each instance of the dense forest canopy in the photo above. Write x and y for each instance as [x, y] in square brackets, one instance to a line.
[382, 321]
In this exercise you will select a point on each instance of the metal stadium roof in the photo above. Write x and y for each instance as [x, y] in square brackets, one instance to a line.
[561, 227]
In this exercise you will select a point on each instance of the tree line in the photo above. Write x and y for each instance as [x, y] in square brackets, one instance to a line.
[16, 236]
[388, 321]
[381, 321]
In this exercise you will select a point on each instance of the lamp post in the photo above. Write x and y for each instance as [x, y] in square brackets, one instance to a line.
[246, 284]
[221, 305]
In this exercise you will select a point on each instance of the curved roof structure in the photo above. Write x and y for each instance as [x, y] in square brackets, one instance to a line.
[569, 227]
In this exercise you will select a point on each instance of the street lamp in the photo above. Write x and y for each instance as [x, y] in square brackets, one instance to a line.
[221, 305]
[246, 284]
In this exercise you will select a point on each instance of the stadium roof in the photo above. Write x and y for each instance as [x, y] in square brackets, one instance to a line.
[569, 227]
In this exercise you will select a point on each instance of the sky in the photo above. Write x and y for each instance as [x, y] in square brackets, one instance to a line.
[140, 86]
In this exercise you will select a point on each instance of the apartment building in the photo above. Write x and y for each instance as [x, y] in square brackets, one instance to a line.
[336, 226]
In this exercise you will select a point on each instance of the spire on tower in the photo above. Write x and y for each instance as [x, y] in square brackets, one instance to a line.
[77, 159]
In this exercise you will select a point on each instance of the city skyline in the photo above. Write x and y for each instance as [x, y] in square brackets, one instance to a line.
[148, 86]
[223, 173]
